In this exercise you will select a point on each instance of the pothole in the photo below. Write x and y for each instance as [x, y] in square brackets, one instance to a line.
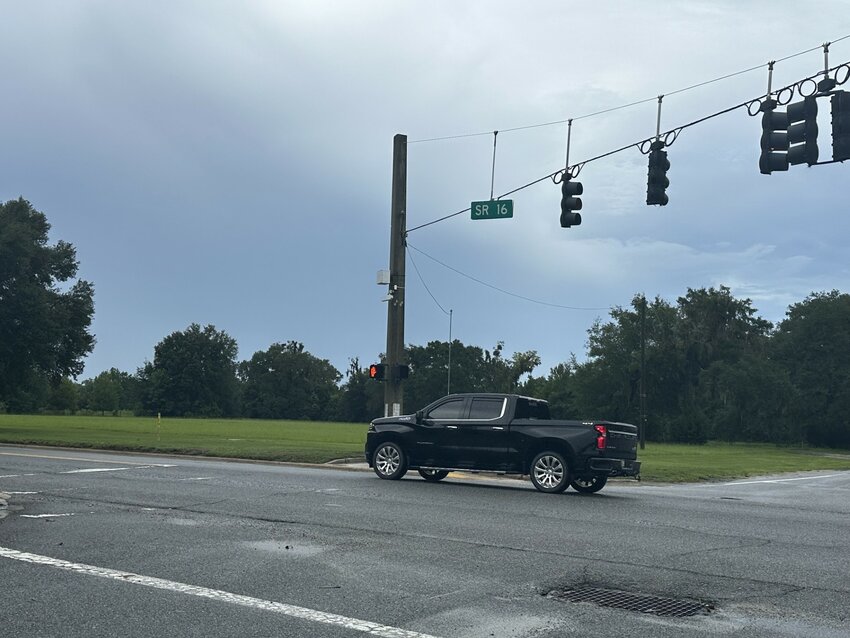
[641, 603]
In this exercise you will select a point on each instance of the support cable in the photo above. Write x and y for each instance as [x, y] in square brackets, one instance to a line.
[669, 136]
[427, 289]
[496, 288]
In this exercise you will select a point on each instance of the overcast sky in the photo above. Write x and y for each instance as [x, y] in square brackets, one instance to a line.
[229, 163]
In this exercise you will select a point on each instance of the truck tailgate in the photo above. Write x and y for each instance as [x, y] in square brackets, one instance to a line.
[621, 441]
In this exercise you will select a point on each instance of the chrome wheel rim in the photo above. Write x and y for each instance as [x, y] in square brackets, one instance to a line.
[549, 471]
[387, 460]
[586, 482]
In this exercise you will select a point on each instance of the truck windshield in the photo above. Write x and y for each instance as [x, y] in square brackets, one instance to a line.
[531, 409]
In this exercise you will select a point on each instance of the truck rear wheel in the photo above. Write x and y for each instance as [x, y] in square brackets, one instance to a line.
[589, 484]
[433, 475]
[550, 472]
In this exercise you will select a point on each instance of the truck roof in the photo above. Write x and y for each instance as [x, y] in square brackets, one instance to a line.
[500, 395]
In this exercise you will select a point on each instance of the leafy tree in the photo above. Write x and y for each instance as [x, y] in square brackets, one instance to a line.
[473, 369]
[193, 374]
[287, 382]
[44, 328]
[64, 396]
[111, 391]
[361, 398]
[557, 389]
[707, 329]
[813, 344]
[749, 400]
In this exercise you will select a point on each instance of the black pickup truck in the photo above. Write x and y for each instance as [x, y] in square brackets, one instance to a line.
[503, 433]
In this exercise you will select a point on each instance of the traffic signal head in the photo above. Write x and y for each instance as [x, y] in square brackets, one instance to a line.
[570, 202]
[377, 371]
[774, 140]
[657, 182]
[840, 126]
[803, 132]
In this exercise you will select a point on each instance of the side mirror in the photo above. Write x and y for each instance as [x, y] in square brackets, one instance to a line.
[420, 416]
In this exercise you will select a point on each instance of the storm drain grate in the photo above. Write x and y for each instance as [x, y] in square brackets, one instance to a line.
[644, 604]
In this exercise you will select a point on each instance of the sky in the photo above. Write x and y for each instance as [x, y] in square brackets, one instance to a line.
[230, 163]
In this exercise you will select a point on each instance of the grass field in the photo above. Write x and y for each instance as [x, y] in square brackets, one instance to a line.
[316, 442]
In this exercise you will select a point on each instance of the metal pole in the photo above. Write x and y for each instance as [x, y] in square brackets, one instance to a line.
[393, 397]
[493, 171]
[449, 376]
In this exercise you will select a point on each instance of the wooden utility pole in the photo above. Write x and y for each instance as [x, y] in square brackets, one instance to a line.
[642, 388]
[393, 397]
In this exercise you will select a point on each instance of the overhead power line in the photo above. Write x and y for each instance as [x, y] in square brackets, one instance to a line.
[626, 106]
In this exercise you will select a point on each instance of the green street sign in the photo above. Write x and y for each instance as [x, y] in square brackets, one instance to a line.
[492, 209]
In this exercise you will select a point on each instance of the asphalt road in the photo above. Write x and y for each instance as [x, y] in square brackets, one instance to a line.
[99, 544]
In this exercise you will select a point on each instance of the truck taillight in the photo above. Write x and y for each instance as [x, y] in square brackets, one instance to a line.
[601, 436]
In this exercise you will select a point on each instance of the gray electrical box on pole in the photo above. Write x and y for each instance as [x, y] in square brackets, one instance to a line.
[393, 398]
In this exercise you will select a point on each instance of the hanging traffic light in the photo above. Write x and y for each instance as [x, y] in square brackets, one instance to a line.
[774, 139]
[569, 202]
[840, 126]
[803, 132]
[657, 182]
[377, 371]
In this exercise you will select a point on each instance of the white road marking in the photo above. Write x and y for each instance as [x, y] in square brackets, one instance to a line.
[44, 515]
[77, 458]
[15, 475]
[114, 469]
[23, 492]
[200, 478]
[786, 480]
[97, 469]
[302, 613]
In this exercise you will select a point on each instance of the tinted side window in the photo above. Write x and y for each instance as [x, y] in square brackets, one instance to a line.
[527, 409]
[447, 410]
[486, 408]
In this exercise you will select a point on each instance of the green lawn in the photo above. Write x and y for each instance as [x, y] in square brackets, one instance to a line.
[316, 442]
[300, 441]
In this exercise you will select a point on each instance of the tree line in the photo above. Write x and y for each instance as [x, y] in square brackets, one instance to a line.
[708, 366]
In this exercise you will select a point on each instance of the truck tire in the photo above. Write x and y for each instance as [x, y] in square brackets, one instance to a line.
[589, 484]
[432, 476]
[549, 472]
[390, 462]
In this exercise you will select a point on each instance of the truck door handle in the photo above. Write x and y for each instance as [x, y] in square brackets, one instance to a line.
[452, 427]
[498, 427]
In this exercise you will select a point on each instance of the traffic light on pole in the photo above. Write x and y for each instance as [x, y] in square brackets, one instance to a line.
[569, 202]
[840, 126]
[656, 181]
[377, 371]
[803, 132]
[774, 139]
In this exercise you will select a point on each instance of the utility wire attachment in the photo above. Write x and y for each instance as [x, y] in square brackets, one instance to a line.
[569, 135]
[827, 83]
[493, 171]
[658, 120]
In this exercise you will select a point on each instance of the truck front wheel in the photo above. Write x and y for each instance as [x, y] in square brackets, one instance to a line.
[550, 472]
[589, 484]
[389, 461]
